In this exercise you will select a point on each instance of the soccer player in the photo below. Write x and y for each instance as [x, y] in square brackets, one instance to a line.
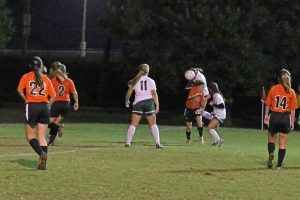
[35, 89]
[193, 110]
[145, 103]
[218, 115]
[297, 112]
[63, 87]
[282, 102]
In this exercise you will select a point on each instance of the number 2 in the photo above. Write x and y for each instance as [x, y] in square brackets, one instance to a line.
[61, 90]
[35, 91]
[281, 102]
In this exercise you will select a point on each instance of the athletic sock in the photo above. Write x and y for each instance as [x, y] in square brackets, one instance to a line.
[188, 135]
[271, 147]
[155, 133]
[53, 128]
[200, 130]
[130, 134]
[35, 145]
[281, 154]
[214, 135]
[45, 149]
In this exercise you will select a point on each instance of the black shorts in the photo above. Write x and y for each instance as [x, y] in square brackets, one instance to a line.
[191, 114]
[37, 113]
[60, 108]
[280, 122]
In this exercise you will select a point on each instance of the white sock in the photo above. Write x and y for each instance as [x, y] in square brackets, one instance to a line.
[214, 135]
[130, 134]
[155, 133]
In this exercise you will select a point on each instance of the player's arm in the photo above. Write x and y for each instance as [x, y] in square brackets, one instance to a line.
[128, 95]
[75, 96]
[22, 95]
[155, 98]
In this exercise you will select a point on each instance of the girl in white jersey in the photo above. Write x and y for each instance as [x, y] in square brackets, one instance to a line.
[145, 103]
[219, 113]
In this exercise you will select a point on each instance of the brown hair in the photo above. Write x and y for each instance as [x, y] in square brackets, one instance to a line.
[215, 88]
[61, 72]
[285, 80]
[53, 68]
[37, 65]
[143, 70]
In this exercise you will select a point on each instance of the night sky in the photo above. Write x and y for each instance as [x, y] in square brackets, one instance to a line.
[56, 24]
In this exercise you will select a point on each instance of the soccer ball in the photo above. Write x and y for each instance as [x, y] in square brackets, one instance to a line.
[189, 74]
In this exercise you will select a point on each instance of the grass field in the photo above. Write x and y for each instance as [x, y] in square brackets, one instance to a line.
[91, 162]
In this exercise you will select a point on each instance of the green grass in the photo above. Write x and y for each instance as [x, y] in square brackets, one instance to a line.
[91, 162]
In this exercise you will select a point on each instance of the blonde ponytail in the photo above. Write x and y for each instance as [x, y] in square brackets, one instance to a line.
[285, 80]
[143, 70]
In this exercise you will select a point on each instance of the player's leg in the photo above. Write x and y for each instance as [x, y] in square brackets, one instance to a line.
[41, 133]
[188, 131]
[135, 120]
[61, 127]
[271, 148]
[211, 129]
[283, 138]
[199, 122]
[53, 126]
[154, 129]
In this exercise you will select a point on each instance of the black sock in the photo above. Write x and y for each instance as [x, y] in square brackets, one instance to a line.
[35, 145]
[188, 135]
[45, 149]
[281, 154]
[271, 147]
[200, 130]
[53, 128]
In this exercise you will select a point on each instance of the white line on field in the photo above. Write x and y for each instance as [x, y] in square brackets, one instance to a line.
[55, 153]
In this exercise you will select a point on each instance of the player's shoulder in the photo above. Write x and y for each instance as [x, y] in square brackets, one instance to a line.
[150, 79]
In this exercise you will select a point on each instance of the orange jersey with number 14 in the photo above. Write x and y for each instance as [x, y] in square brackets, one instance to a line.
[280, 101]
[63, 89]
[33, 92]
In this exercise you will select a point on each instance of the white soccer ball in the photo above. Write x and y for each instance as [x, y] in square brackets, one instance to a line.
[189, 74]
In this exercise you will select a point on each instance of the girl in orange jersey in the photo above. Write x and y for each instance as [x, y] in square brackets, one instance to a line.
[35, 89]
[193, 110]
[63, 87]
[282, 102]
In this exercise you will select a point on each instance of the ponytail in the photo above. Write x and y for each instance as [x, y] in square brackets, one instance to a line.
[215, 89]
[143, 70]
[284, 79]
[38, 77]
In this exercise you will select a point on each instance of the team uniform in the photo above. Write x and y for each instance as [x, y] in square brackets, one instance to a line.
[193, 105]
[37, 98]
[219, 112]
[61, 105]
[143, 101]
[201, 77]
[281, 103]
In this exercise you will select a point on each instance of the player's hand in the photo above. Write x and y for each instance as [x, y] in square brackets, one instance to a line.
[292, 126]
[156, 109]
[266, 120]
[127, 104]
[76, 106]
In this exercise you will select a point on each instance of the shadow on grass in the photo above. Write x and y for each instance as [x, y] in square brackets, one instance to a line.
[212, 171]
[26, 163]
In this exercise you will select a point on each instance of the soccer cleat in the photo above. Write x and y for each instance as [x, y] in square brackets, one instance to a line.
[42, 161]
[127, 145]
[269, 162]
[214, 144]
[188, 141]
[279, 167]
[219, 142]
[60, 130]
[159, 146]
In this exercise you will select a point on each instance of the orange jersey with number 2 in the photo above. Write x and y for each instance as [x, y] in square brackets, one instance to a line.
[280, 101]
[33, 92]
[63, 89]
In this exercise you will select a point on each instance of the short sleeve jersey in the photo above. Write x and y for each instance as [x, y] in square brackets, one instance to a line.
[195, 102]
[219, 112]
[143, 89]
[63, 89]
[201, 77]
[33, 92]
[280, 101]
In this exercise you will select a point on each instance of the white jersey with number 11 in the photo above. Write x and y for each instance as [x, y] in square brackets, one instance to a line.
[143, 89]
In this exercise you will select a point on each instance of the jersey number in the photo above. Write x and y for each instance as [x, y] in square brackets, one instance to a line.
[281, 102]
[61, 90]
[35, 90]
[143, 85]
